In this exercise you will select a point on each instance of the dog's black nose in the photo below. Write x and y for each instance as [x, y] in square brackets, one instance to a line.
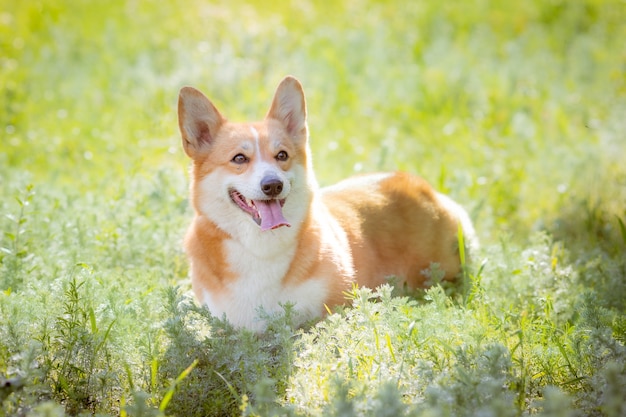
[271, 186]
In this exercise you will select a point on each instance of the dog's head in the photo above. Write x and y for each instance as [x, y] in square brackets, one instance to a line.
[248, 173]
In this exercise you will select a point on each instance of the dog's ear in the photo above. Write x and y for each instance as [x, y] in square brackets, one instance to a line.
[198, 120]
[289, 107]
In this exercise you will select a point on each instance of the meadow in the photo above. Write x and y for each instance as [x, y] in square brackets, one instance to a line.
[515, 109]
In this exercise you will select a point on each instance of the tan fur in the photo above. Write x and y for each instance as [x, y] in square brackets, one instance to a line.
[396, 227]
[361, 231]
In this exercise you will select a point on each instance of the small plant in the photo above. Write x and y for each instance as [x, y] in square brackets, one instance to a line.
[12, 253]
[232, 367]
[76, 357]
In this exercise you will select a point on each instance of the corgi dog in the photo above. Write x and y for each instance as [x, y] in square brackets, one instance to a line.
[264, 234]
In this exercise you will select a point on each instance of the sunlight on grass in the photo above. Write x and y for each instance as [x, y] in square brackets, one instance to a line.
[514, 109]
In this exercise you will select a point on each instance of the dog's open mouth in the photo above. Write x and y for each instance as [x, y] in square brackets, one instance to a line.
[266, 213]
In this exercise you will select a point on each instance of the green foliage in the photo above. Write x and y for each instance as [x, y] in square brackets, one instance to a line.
[16, 250]
[513, 108]
[76, 357]
[233, 366]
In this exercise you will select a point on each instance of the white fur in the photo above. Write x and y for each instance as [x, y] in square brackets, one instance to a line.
[260, 288]
[261, 272]
[260, 258]
[255, 134]
[469, 234]
[372, 180]
[218, 207]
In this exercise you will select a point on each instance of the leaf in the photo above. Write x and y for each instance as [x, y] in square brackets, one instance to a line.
[170, 392]
[123, 407]
[129, 375]
[622, 228]
[388, 340]
[461, 240]
[328, 310]
[154, 369]
[92, 320]
[106, 336]
[232, 389]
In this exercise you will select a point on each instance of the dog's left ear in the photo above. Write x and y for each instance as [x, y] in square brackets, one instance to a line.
[289, 107]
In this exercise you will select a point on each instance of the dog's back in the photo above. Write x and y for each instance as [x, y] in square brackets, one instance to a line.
[398, 226]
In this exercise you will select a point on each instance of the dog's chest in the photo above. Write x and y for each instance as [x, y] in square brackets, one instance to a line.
[260, 286]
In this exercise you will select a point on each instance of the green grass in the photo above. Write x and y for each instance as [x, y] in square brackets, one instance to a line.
[515, 110]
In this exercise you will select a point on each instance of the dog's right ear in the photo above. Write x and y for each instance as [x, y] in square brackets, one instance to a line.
[198, 120]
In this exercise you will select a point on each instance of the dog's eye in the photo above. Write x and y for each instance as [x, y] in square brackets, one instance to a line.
[240, 159]
[282, 156]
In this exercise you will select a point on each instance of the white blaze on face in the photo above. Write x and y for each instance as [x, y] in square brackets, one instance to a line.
[269, 209]
[255, 135]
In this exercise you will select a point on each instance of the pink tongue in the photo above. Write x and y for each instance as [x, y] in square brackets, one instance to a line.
[271, 214]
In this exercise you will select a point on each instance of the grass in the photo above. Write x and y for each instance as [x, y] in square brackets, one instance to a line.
[516, 110]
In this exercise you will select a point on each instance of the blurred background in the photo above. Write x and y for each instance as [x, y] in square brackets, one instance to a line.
[517, 109]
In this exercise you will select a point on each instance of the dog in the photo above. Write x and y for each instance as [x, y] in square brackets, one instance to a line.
[265, 235]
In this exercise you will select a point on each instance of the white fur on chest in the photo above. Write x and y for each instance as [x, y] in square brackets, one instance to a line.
[260, 287]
